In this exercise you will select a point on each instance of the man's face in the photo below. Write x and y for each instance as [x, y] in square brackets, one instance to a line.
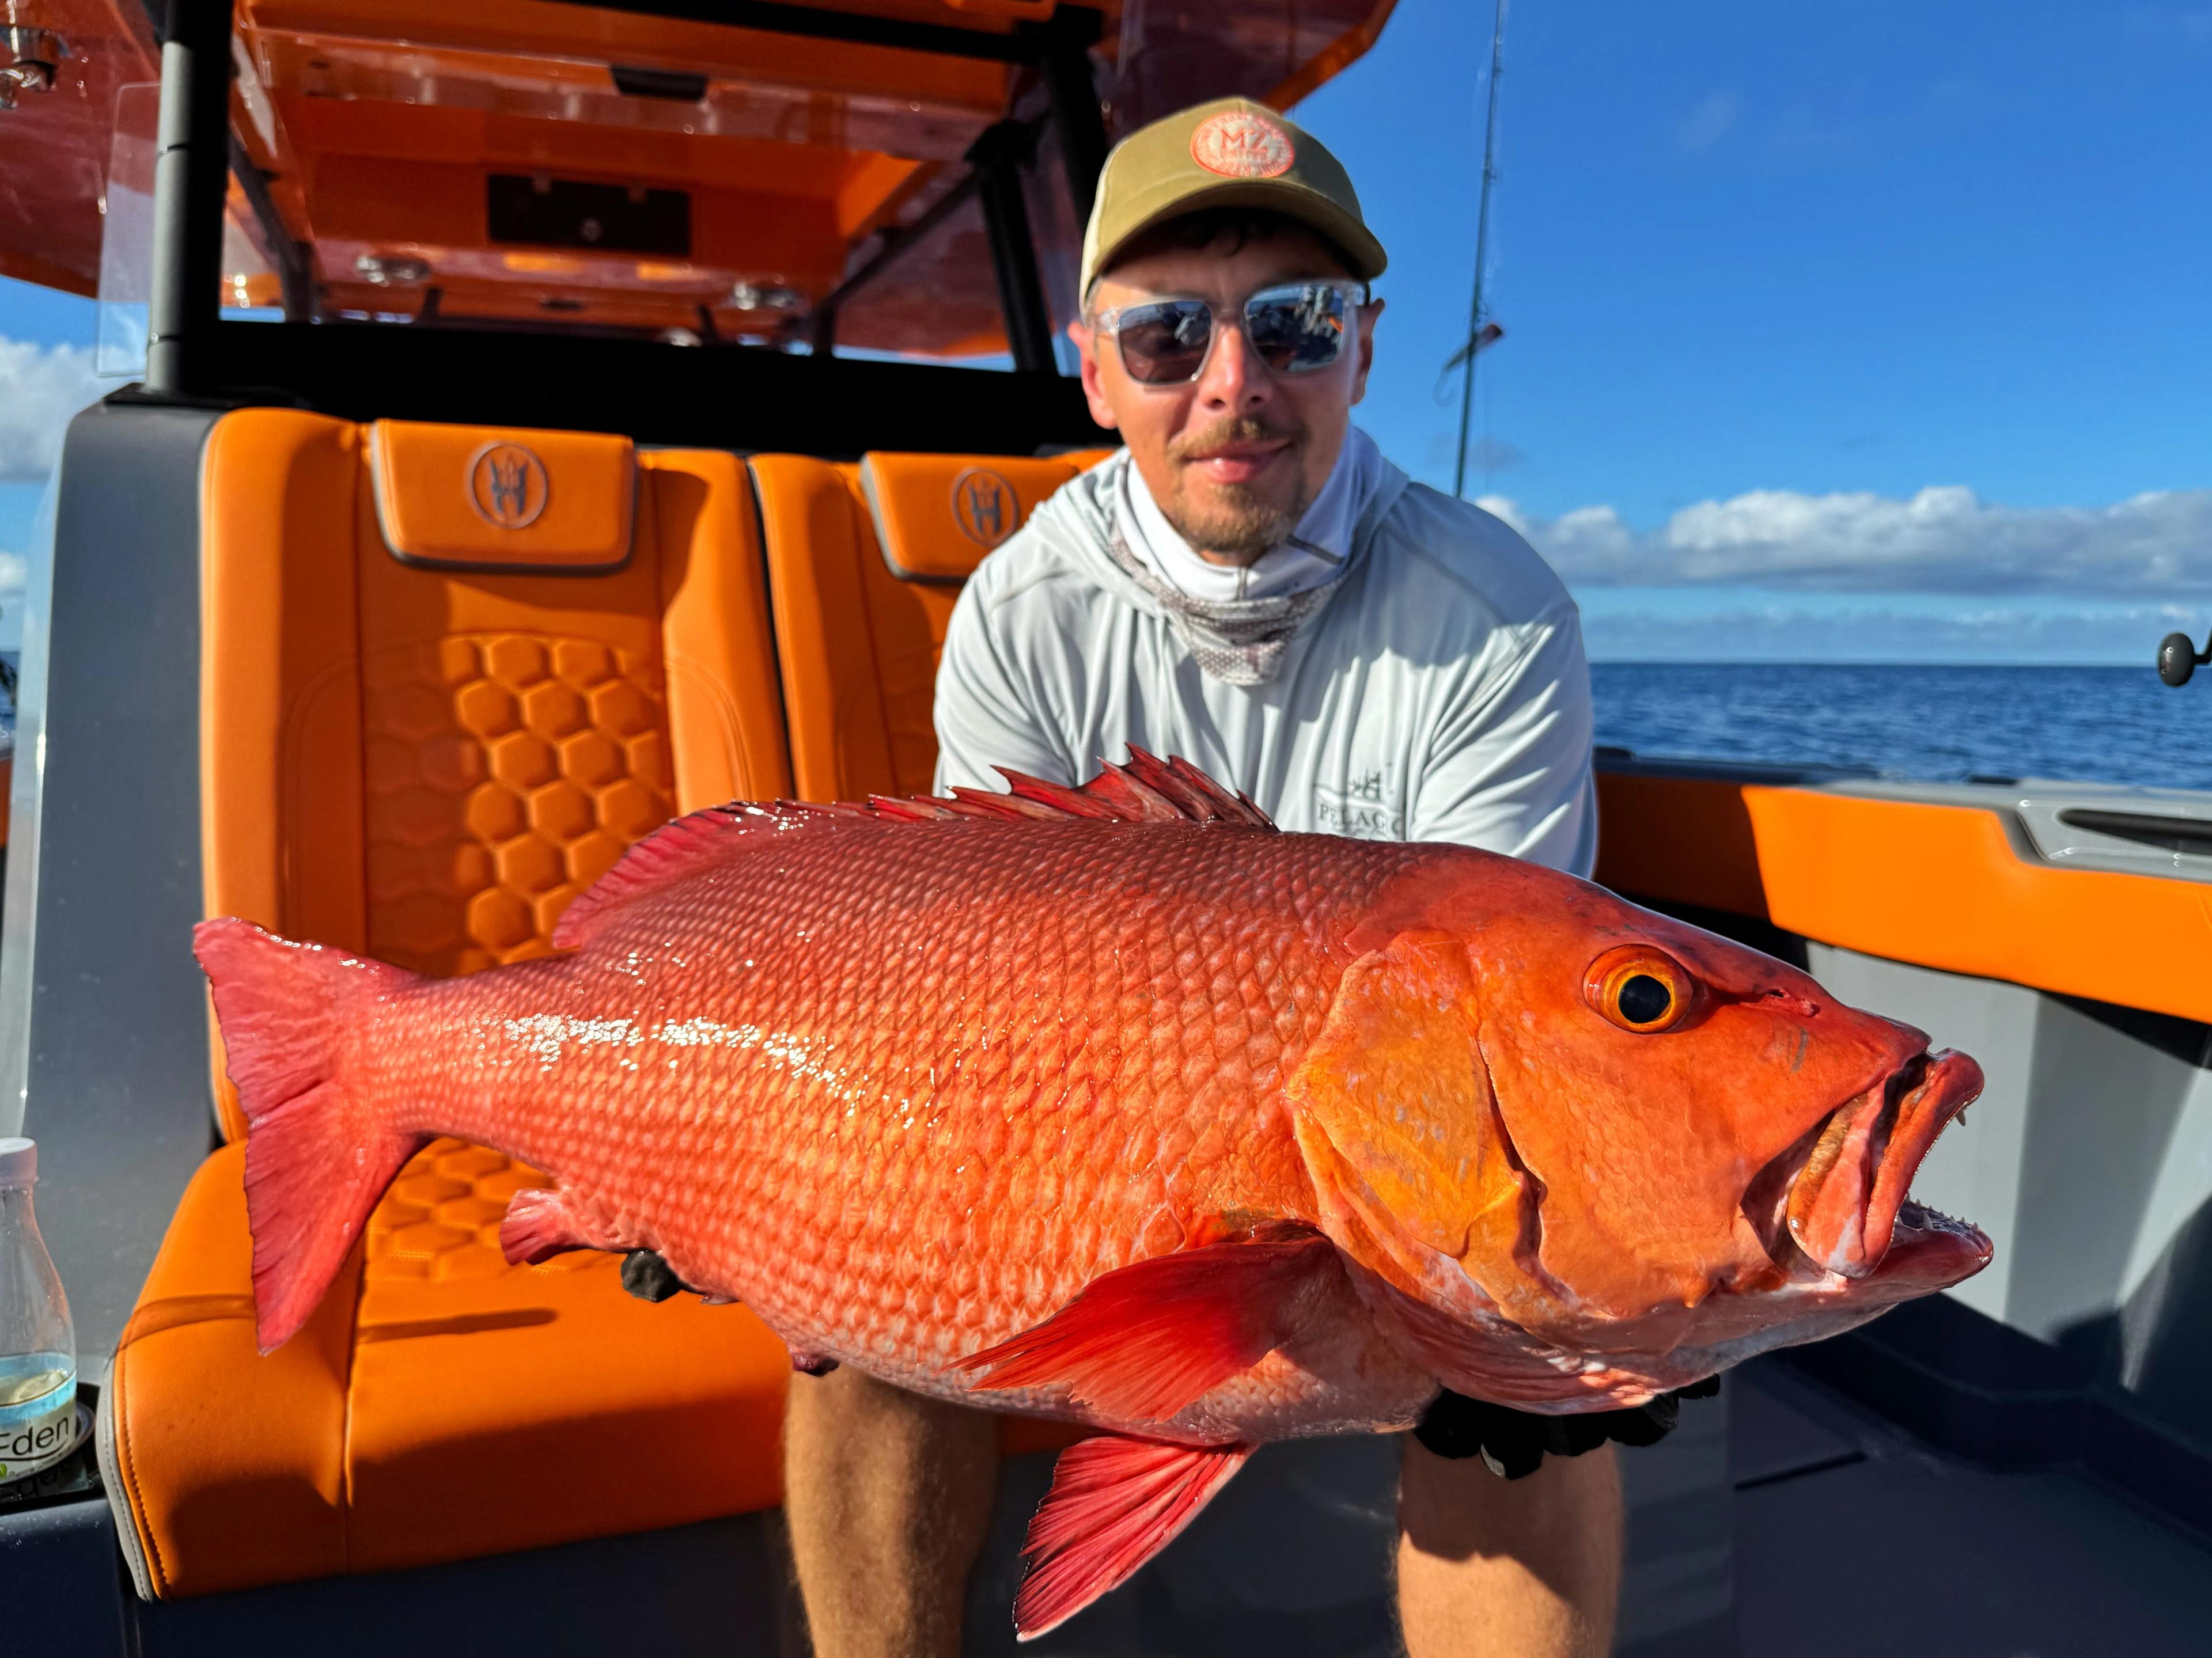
[1235, 457]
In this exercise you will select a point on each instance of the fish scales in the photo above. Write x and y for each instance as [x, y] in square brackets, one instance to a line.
[905, 1091]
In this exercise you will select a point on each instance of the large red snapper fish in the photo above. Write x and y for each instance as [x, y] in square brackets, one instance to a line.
[1117, 1104]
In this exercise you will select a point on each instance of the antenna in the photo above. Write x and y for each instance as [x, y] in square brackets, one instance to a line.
[1474, 322]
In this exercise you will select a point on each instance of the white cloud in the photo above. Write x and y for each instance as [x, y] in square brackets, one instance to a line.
[12, 574]
[40, 387]
[1944, 539]
[1724, 624]
[1708, 123]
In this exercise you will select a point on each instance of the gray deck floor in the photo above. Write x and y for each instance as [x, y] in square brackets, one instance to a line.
[1852, 1538]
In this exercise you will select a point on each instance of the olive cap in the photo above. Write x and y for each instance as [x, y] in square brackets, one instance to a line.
[1229, 152]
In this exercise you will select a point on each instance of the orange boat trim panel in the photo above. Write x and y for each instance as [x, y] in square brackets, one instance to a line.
[1941, 886]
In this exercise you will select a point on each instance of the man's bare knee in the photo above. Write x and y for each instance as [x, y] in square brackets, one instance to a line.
[1512, 1569]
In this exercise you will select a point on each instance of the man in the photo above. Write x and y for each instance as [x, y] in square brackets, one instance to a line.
[1252, 586]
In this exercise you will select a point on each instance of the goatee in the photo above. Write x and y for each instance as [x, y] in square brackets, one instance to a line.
[1239, 521]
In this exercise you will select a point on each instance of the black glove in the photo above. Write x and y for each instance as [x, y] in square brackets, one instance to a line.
[647, 1277]
[1513, 1443]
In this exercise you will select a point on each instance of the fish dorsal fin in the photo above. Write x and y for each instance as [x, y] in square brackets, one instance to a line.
[677, 849]
[1147, 790]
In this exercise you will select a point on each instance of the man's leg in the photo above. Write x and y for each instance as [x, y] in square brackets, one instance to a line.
[888, 1496]
[1492, 1568]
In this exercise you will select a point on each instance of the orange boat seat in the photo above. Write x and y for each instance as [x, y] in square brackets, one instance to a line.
[448, 674]
[865, 561]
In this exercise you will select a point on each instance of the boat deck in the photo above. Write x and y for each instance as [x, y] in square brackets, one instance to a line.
[1852, 1537]
[1849, 1537]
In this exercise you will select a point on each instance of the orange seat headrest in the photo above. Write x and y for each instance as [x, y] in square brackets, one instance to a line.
[514, 503]
[938, 515]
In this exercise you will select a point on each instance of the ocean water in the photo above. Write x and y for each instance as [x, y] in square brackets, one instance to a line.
[1933, 725]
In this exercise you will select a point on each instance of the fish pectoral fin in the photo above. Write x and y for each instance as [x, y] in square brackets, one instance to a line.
[1113, 1504]
[1142, 1342]
[538, 1224]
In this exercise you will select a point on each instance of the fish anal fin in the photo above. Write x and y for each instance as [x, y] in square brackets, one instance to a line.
[1115, 1502]
[1395, 1083]
[1140, 1343]
[539, 1223]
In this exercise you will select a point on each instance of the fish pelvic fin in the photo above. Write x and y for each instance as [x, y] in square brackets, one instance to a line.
[1115, 1502]
[317, 1156]
[1140, 1343]
[540, 1225]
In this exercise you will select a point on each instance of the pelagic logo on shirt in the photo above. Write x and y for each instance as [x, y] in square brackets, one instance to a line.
[1369, 807]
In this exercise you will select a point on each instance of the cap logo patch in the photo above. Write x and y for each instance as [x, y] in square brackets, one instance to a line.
[507, 485]
[983, 505]
[1238, 144]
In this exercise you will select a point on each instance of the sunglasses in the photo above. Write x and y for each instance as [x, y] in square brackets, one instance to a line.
[1294, 328]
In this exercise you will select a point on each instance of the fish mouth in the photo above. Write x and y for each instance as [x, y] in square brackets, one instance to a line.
[1841, 1196]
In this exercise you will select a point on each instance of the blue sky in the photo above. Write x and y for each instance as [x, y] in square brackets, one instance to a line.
[1868, 331]
[45, 341]
[1773, 251]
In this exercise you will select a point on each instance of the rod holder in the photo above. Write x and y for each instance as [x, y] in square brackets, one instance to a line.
[2177, 659]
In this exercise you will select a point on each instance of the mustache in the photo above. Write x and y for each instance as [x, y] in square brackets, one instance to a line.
[1238, 428]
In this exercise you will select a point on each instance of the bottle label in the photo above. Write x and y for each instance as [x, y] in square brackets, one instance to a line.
[40, 1440]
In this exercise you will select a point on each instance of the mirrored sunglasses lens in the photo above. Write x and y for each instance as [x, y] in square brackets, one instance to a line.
[1296, 330]
[1164, 342]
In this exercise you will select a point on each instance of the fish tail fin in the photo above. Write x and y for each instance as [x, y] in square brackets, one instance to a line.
[318, 1155]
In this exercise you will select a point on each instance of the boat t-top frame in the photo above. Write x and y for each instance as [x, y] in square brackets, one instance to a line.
[741, 399]
[187, 350]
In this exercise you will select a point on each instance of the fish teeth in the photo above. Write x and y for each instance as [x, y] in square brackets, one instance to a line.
[1928, 1209]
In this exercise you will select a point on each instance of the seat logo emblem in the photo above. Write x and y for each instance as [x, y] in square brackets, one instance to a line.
[984, 506]
[507, 485]
[1238, 144]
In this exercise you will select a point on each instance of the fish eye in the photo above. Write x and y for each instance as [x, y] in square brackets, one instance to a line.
[1640, 989]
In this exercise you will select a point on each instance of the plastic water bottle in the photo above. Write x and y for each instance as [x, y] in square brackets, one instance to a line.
[38, 1347]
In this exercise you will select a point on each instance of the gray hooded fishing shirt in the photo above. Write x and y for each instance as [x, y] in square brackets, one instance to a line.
[1439, 695]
